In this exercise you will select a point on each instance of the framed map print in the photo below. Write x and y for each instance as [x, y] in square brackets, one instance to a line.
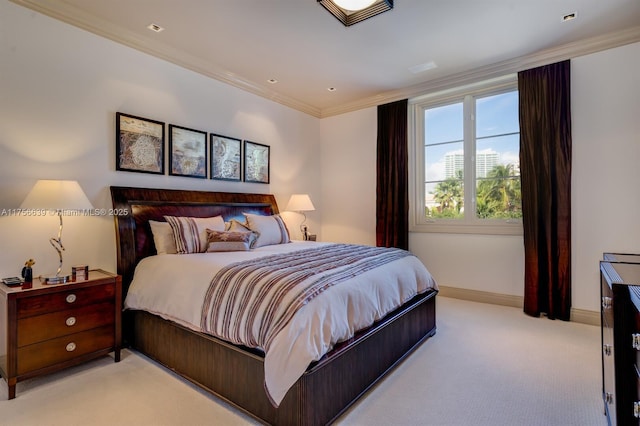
[188, 150]
[256, 162]
[139, 144]
[226, 158]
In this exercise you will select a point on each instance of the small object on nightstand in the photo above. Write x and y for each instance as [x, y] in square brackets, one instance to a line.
[27, 271]
[79, 272]
[12, 281]
[311, 237]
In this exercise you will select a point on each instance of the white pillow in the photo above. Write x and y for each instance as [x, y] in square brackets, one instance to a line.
[190, 233]
[270, 229]
[163, 237]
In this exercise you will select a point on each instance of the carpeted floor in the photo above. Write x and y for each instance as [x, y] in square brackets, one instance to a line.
[486, 365]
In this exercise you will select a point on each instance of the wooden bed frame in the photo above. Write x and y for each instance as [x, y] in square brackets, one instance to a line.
[235, 373]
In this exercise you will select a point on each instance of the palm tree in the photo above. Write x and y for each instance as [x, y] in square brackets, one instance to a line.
[499, 195]
[449, 194]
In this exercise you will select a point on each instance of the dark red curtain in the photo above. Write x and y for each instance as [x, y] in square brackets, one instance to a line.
[392, 188]
[545, 173]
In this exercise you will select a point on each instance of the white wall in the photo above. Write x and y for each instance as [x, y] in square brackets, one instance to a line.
[605, 194]
[349, 177]
[605, 103]
[60, 88]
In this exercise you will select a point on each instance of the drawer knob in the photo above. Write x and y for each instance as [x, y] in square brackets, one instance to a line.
[71, 321]
[71, 347]
[635, 341]
[607, 302]
[71, 298]
[606, 349]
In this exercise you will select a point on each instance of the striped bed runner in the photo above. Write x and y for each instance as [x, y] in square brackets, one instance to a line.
[249, 302]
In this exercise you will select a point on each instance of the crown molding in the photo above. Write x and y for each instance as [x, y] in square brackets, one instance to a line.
[499, 69]
[64, 12]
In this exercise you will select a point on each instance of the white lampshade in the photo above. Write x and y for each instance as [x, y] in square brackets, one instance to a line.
[56, 195]
[354, 5]
[300, 203]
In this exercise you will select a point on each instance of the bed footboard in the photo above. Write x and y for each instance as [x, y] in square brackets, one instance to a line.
[324, 392]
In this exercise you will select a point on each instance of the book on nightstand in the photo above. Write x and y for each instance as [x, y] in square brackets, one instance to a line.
[12, 281]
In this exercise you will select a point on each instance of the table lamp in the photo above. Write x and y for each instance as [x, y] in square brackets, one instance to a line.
[301, 203]
[57, 196]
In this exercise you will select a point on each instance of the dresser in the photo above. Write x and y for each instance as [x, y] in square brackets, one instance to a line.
[620, 315]
[45, 328]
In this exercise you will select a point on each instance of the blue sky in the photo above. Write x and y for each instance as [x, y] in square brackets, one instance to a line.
[495, 115]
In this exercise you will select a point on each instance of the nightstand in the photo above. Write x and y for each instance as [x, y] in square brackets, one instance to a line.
[45, 328]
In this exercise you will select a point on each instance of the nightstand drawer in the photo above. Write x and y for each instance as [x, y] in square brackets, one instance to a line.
[45, 327]
[51, 352]
[36, 305]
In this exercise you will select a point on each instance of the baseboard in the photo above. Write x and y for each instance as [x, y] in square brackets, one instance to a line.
[586, 317]
[578, 315]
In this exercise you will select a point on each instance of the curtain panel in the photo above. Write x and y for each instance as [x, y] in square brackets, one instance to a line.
[545, 173]
[392, 186]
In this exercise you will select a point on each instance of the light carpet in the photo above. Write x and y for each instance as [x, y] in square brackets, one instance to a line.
[486, 365]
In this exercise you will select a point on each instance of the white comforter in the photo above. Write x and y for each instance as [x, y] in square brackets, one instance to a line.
[173, 286]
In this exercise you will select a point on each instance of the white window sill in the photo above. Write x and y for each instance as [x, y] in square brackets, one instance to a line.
[487, 228]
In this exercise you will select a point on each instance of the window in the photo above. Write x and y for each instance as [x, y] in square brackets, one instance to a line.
[466, 176]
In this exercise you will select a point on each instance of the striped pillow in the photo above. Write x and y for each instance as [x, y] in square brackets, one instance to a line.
[270, 229]
[190, 233]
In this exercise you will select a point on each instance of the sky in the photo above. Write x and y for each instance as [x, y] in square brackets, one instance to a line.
[495, 115]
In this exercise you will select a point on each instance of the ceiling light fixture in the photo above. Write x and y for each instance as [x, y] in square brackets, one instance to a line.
[354, 5]
[351, 12]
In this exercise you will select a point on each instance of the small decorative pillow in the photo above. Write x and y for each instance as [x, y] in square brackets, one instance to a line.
[190, 233]
[229, 240]
[163, 237]
[270, 229]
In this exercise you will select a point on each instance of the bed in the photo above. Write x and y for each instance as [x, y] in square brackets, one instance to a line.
[236, 373]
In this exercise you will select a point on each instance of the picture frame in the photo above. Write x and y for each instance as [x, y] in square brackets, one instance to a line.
[256, 162]
[188, 148]
[226, 158]
[139, 144]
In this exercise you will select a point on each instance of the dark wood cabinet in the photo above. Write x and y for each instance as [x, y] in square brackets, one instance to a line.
[44, 328]
[620, 316]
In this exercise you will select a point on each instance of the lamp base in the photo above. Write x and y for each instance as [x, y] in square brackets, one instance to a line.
[55, 279]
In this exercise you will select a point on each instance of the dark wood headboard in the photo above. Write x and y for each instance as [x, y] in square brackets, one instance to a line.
[136, 206]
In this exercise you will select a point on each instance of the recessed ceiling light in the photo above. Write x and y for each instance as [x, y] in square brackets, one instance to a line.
[155, 27]
[569, 16]
[423, 67]
[272, 81]
[331, 89]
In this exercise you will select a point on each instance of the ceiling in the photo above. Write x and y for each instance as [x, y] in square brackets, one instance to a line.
[246, 43]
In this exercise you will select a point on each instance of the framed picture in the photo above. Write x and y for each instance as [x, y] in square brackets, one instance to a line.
[256, 162]
[188, 150]
[139, 144]
[226, 158]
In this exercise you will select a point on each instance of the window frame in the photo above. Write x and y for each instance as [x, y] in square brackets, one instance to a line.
[470, 224]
